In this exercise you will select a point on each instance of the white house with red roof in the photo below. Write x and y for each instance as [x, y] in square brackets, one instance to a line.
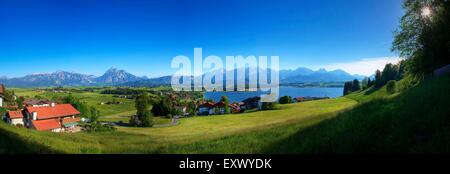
[54, 118]
[15, 118]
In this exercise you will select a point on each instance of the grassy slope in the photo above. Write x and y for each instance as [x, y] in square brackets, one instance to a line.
[192, 130]
[92, 99]
[416, 121]
[411, 122]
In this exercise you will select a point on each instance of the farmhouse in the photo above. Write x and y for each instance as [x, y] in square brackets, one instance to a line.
[206, 108]
[15, 118]
[210, 108]
[2, 91]
[54, 118]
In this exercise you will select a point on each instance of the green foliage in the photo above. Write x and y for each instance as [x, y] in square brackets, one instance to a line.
[390, 72]
[269, 106]
[351, 86]
[143, 118]
[378, 80]
[9, 96]
[391, 87]
[355, 85]
[162, 108]
[2, 112]
[98, 127]
[226, 101]
[19, 102]
[285, 100]
[424, 40]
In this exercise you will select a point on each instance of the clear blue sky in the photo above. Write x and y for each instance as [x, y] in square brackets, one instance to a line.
[142, 37]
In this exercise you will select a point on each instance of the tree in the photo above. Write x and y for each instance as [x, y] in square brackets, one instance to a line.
[95, 114]
[355, 85]
[423, 38]
[285, 100]
[378, 81]
[86, 111]
[19, 102]
[162, 108]
[143, 117]
[365, 83]
[391, 87]
[369, 83]
[389, 73]
[226, 101]
[348, 86]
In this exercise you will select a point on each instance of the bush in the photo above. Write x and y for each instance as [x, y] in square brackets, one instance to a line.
[391, 87]
[285, 100]
[269, 106]
[98, 127]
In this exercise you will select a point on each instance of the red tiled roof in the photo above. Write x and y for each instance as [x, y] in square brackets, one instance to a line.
[220, 104]
[44, 125]
[70, 120]
[15, 114]
[235, 107]
[207, 104]
[59, 110]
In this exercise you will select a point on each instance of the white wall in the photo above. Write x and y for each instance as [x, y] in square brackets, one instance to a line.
[1, 101]
[16, 121]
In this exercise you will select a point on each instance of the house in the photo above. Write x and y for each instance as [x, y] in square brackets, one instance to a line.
[32, 102]
[15, 118]
[299, 99]
[210, 108]
[235, 107]
[2, 93]
[54, 118]
[206, 108]
[220, 107]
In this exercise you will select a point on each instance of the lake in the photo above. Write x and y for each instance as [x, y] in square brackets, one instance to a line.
[284, 90]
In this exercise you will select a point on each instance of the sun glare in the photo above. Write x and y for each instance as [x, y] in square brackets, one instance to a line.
[426, 11]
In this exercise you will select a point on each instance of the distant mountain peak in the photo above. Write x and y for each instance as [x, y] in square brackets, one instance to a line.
[114, 76]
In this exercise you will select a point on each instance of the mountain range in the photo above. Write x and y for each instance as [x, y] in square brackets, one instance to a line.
[116, 77]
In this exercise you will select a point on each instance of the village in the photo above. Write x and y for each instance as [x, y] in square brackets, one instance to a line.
[46, 115]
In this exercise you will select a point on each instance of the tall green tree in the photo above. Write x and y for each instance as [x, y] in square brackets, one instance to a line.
[143, 117]
[423, 36]
[355, 85]
[378, 80]
[226, 101]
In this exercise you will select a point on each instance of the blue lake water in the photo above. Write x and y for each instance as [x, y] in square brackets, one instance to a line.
[284, 91]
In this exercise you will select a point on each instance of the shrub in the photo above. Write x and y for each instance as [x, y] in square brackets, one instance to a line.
[98, 127]
[391, 87]
[269, 106]
[285, 100]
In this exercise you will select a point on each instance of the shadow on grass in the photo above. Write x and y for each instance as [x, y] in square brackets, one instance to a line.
[417, 121]
[11, 143]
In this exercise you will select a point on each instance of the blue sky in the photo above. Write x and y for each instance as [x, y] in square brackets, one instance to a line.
[142, 37]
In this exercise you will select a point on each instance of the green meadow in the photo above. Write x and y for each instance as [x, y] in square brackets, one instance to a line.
[370, 121]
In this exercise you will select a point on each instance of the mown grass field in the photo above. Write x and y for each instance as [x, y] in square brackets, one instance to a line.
[91, 98]
[414, 121]
[189, 131]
